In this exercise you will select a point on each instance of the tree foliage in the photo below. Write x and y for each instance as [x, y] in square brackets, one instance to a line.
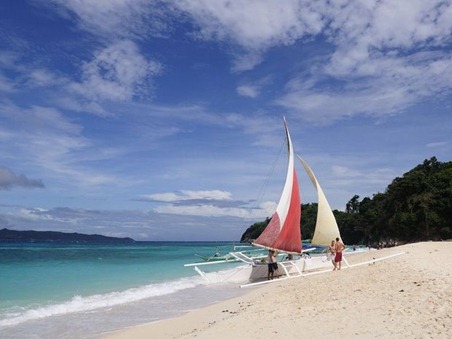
[415, 207]
[254, 231]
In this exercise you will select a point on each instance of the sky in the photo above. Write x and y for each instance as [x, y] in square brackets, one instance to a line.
[163, 120]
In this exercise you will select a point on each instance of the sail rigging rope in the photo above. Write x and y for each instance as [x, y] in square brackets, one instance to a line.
[263, 190]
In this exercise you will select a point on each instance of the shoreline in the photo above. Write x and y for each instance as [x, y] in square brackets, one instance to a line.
[406, 296]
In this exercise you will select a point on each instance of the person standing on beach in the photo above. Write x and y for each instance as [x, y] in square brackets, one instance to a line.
[272, 265]
[332, 252]
[338, 257]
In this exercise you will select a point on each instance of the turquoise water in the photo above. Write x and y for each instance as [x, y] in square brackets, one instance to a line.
[64, 291]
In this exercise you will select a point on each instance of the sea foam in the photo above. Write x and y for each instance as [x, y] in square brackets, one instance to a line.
[94, 302]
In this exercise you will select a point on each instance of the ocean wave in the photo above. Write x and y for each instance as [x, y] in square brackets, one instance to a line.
[98, 301]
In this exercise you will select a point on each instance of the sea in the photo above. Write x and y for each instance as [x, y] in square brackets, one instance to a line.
[50, 290]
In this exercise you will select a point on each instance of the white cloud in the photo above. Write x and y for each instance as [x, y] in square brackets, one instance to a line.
[51, 142]
[325, 107]
[384, 56]
[382, 63]
[34, 214]
[246, 60]
[43, 77]
[189, 195]
[75, 104]
[367, 32]
[202, 210]
[117, 72]
[250, 27]
[208, 204]
[254, 26]
[113, 19]
[437, 144]
[248, 91]
[342, 171]
[407, 23]
[265, 210]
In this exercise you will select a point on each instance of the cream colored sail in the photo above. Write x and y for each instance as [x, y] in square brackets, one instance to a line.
[326, 228]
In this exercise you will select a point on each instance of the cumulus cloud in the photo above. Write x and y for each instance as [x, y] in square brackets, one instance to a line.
[8, 180]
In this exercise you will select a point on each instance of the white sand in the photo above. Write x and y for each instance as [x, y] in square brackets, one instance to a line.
[409, 296]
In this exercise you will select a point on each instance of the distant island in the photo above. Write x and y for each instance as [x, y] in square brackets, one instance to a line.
[12, 236]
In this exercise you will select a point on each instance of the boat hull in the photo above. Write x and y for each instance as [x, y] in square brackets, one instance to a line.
[291, 268]
[257, 272]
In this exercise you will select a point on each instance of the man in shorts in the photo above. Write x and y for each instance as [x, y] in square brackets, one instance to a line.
[272, 265]
[338, 258]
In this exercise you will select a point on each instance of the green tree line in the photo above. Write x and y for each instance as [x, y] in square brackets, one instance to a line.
[415, 207]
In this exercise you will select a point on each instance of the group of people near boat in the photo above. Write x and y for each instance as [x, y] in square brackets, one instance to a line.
[335, 249]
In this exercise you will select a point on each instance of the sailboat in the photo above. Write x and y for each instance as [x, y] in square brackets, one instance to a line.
[283, 233]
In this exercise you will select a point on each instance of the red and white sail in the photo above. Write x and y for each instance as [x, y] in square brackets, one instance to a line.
[283, 232]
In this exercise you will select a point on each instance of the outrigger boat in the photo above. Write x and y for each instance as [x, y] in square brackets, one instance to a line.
[283, 235]
[228, 257]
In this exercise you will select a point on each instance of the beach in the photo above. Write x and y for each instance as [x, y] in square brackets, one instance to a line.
[407, 296]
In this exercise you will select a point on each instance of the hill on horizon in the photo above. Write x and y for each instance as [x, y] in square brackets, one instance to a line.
[7, 235]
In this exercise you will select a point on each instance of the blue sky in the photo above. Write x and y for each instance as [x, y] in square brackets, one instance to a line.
[162, 120]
